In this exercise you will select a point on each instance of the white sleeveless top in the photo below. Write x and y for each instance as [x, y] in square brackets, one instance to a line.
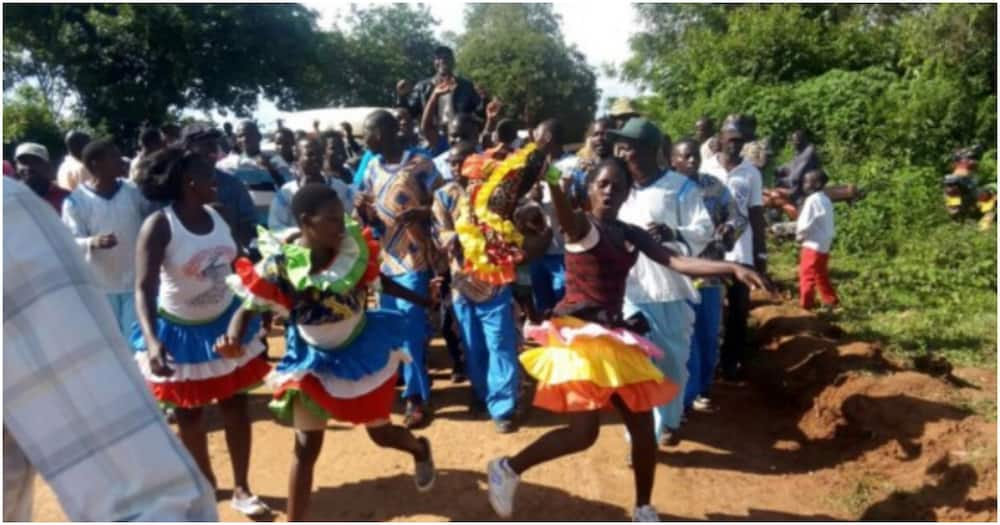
[195, 267]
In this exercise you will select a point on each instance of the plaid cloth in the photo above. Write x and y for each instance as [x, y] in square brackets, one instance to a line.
[75, 407]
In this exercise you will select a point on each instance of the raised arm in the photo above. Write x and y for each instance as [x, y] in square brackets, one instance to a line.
[150, 252]
[427, 124]
[573, 223]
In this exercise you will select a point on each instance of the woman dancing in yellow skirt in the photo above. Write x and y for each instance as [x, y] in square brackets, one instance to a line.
[589, 360]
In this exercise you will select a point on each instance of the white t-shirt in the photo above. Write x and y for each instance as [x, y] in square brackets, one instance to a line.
[280, 215]
[814, 227]
[88, 215]
[676, 201]
[71, 173]
[746, 185]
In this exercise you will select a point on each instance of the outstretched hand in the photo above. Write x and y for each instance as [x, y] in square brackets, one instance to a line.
[754, 280]
[158, 360]
[493, 108]
[228, 347]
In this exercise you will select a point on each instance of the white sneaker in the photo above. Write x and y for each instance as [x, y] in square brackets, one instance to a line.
[502, 486]
[702, 404]
[250, 506]
[645, 513]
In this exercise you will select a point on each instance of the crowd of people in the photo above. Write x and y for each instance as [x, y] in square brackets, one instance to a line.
[601, 274]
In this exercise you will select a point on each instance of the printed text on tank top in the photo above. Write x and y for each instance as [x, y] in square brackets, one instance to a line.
[198, 261]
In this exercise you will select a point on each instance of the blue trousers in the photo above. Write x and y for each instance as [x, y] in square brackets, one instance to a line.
[704, 343]
[548, 280]
[123, 306]
[671, 324]
[490, 339]
[418, 382]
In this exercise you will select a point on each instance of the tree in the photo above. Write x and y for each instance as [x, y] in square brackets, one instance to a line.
[127, 64]
[900, 81]
[28, 117]
[517, 52]
[383, 44]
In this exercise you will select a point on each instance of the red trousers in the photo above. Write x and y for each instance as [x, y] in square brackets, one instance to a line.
[814, 272]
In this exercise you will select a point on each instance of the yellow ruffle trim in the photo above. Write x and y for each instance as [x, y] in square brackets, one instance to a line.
[594, 360]
[476, 222]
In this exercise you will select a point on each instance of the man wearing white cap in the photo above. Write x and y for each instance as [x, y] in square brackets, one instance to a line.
[35, 170]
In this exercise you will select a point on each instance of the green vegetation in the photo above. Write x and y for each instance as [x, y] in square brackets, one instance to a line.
[119, 65]
[888, 91]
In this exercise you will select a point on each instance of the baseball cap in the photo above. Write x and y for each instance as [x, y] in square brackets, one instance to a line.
[733, 129]
[199, 131]
[640, 131]
[32, 148]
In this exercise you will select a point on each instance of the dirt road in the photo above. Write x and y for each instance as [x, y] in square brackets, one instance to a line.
[829, 429]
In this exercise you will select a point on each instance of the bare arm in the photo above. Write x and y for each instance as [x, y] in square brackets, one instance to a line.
[395, 289]
[573, 223]
[150, 252]
[691, 266]
[427, 127]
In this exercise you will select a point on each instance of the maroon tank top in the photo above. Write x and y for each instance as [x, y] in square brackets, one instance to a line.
[595, 280]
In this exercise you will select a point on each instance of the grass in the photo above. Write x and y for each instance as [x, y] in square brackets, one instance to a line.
[931, 292]
[866, 490]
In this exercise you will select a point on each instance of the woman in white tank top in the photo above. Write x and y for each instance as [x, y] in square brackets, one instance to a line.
[184, 254]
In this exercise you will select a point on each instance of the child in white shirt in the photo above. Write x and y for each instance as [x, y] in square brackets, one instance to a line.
[814, 230]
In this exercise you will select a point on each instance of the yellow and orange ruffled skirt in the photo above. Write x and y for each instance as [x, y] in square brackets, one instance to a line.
[581, 365]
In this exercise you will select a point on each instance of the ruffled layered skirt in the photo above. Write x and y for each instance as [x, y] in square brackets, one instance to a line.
[354, 382]
[201, 376]
[581, 365]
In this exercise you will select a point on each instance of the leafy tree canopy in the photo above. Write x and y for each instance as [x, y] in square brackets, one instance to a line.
[517, 52]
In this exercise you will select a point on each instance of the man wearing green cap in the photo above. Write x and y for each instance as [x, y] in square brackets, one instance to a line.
[669, 205]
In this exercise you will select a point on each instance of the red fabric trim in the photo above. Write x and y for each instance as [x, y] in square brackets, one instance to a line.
[191, 394]
[373, 406]
[580, 396]
[259, 286]
[372, 270]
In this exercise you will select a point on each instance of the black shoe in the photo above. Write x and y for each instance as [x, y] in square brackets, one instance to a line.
[477, 408]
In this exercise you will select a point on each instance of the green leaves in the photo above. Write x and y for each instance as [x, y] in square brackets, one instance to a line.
[517, 52]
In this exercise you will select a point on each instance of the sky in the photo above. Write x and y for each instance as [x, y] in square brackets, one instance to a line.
[582, 21]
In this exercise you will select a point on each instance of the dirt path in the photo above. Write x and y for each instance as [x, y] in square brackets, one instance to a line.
[830, 430]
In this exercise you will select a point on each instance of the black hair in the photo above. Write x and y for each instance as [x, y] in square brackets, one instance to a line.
[556, 128]
[76, 140]
[465, 146]
[149, 137]
[685, 140]
[443, 52]
[96, 150]
[382, 120]
[823, 178]
[463, 119]
[507, 130]
[161, 175]
[606, 120]
[615, 162]
[403, 108]
[311, 198]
